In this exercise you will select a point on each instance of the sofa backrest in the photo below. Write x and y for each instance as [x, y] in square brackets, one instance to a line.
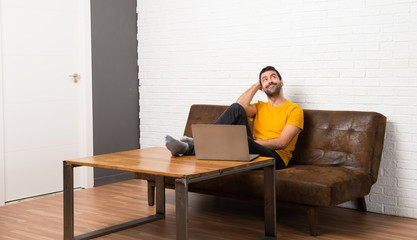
[202, 114]
[348, 139]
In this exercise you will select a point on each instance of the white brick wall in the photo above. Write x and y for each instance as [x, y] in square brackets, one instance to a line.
[332, 54]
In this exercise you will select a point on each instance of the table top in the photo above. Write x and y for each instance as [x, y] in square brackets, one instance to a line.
[159, 161]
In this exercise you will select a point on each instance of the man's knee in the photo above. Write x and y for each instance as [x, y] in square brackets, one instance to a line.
[237, 107]
[235, 114]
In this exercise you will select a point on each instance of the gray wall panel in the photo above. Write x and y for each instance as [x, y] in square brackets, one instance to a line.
[115, 82]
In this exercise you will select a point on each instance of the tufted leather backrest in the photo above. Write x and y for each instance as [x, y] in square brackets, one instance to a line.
[348, 139]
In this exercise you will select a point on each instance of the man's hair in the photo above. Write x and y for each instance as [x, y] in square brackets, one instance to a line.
[269, 68]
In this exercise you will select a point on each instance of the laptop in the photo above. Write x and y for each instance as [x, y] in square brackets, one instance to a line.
[221, 142]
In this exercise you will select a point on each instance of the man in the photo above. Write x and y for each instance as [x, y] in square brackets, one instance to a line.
[277, 123]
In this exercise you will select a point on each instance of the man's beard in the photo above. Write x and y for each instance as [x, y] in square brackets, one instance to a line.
[275, 92]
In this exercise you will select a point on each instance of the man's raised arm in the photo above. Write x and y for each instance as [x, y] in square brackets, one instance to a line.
[247, 97]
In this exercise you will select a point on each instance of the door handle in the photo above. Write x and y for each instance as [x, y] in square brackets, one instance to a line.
[76, 77]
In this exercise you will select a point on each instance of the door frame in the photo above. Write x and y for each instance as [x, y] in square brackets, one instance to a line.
[87, 101]
[2, 167]
[86, 105]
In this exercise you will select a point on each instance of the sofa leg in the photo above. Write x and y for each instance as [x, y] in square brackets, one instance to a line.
[361, 204]
[312, 220]
[151, 193]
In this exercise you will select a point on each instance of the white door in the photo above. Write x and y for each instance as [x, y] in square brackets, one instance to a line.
[47, 114]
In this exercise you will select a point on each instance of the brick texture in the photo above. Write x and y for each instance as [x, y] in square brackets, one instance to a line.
[332, 54]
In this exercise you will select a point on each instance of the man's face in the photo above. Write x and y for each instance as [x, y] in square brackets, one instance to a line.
[271, 84]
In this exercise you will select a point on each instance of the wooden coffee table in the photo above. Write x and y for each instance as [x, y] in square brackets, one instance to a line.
[158, 161]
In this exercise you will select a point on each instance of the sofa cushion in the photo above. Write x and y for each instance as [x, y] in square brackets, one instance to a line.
[304, 184]
[321, 185]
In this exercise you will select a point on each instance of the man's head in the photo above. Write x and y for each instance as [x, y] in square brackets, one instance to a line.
[271, 81]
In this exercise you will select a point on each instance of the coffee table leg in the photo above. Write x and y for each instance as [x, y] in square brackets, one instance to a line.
[68, 201]
[160, 195]
[181, 208]
[270, 202]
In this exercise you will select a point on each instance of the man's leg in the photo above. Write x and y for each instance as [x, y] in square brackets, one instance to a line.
[256, 148]
[235, 115]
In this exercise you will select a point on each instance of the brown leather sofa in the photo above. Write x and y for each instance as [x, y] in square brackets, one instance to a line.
[336, 160]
